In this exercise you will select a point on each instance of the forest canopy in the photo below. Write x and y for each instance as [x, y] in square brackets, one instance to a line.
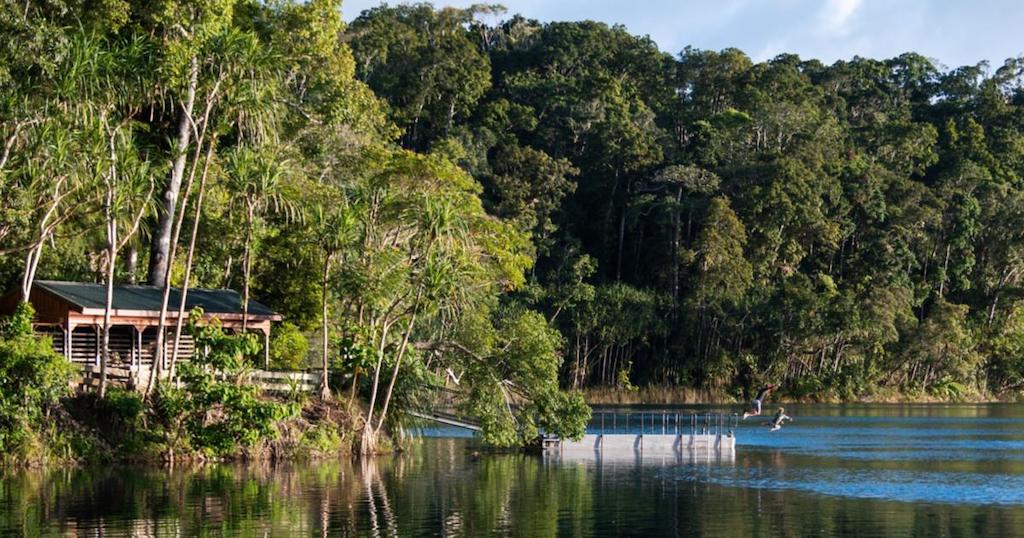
[521, 208]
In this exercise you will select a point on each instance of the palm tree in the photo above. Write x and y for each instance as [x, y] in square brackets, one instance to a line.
[127, 183]
[129, 188]
[439, 274]
[236, 89]
[335, 229]
[255, 177]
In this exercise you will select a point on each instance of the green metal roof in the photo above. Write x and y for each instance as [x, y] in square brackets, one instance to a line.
[149, 298]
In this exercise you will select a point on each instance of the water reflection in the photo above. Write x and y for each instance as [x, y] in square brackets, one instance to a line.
[868, 474]
[680, 459]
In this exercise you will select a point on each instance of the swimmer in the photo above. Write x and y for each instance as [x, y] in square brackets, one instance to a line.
[780, 417]
[755, 410]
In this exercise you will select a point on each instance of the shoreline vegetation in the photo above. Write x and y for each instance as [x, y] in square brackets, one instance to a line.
[657, 395]
[211, 412]
[470, 209]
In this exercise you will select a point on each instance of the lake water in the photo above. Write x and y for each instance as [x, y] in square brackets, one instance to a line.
[924, 470]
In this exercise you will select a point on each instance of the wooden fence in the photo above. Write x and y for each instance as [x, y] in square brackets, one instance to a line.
[89, 377]
[286, 382]
[276, 382]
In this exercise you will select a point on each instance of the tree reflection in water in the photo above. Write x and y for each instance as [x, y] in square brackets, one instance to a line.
[441, 487]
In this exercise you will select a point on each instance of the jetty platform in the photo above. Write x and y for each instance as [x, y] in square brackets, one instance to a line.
[654, 434]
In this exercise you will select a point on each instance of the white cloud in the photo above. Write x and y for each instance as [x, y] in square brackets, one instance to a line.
[835, 16]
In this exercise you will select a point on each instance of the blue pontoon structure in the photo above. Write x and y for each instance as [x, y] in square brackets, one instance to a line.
[652, 435]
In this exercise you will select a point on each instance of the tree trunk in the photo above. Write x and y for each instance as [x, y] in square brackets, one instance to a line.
[677, 225]
[188, 259]
[325, 388]
[609, 217]
[247, 268]
[577, 362]
[352, 391]
[105, 348]
[31, 264]
[177, 222]
[109, 303]
[992, 309]
[369, 441]
[945, 273]
[131, 263]
[622, 240]
[36, 251]
[586, 369]
[161, 336]
[160, 250]
[398, 361]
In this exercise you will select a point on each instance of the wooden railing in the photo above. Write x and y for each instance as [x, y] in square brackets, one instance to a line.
[116, 376]
[286, 382]
[276, 382]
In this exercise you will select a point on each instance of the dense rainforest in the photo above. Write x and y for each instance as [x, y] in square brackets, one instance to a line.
[520, 210]
[702, 220]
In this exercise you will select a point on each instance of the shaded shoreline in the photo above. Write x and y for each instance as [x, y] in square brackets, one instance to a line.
[660, 395]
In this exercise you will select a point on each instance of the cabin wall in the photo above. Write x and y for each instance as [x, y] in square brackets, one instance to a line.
[125, 348]
[186, 346]
[85, 346]
[49, 308]
[128, 347]
[56, 334]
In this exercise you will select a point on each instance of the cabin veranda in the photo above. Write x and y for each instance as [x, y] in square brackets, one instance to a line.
[72, 313]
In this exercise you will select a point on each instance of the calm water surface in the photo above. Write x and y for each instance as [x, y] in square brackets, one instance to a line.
[929, 470]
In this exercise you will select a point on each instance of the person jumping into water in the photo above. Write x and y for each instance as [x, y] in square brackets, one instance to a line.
[780, 417]
[761, 394]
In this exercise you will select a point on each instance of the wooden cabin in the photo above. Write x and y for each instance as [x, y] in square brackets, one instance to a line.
[72, 313]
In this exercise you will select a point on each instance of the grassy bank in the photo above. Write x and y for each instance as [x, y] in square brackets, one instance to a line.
[655, 395]
[85, 429]
[666, 395]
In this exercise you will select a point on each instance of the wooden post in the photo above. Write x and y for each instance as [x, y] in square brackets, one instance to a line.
[71, 341]
[266, 348]
[163, 354]
[67, 341]
[137, 343]
[134, 348]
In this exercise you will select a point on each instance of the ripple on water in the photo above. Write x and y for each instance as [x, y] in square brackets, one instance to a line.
[888, 484]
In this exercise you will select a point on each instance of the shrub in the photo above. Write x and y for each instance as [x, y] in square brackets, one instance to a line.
[216, 411]
[325, 438]
[32, 379]
[622, 378]
[288, 347]
[117, 417]
[948, 389]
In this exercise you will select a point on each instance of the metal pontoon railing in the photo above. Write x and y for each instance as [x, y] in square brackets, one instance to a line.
[663, 422]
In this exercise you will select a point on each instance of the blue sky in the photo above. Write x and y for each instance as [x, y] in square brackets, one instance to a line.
[953, 32]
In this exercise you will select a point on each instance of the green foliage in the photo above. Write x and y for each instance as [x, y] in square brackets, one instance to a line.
[355, 354]
[216, 411]
[324, 438]
[524, 369]
[118, 420]
[946, 348]
[288, 347]
[425, 63]
[817, 218]
[1007, 351]
[725, 274]
[32, 380]
[948, 389]
[622, 379]
[522, 206]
